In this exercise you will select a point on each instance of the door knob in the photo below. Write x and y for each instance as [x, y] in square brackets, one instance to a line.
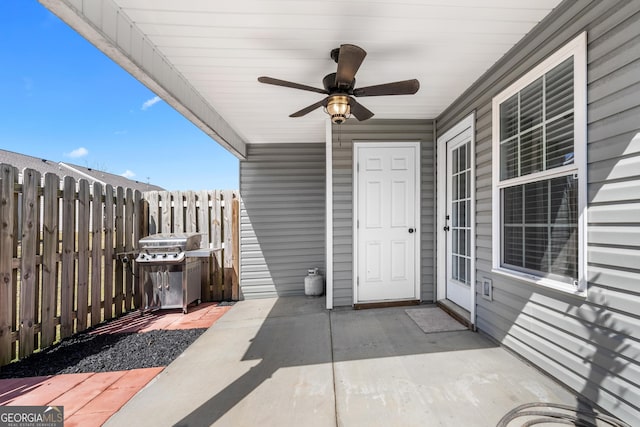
[446, 228]
[411, 230]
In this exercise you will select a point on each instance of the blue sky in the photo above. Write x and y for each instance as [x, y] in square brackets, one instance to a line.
[63, 100]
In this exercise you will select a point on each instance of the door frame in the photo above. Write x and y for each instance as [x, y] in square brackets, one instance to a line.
[417, 195]
[441, 235]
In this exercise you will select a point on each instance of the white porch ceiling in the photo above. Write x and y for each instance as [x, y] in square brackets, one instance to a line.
[221, 47]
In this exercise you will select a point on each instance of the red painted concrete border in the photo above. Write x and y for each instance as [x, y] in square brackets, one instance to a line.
[90, 399]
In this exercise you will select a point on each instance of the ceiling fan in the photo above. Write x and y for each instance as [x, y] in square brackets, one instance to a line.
[341, 90]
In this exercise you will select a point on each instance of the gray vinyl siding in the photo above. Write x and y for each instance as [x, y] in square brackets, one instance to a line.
[282, 219]
[590, 345]
[383, 131]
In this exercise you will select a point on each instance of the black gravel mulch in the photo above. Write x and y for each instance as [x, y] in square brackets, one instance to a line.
[87, 352]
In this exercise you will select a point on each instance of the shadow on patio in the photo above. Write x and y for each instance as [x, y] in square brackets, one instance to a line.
[288, 361]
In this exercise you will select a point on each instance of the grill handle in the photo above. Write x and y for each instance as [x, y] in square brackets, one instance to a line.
[160, 280]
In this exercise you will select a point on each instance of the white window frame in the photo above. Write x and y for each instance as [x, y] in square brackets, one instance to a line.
[578, 49]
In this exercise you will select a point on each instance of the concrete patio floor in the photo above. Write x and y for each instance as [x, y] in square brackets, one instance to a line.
[289, 362]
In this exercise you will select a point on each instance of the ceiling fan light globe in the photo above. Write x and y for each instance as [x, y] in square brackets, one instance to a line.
[338, 108]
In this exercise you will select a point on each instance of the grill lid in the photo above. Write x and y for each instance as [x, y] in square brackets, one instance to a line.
[171, 241]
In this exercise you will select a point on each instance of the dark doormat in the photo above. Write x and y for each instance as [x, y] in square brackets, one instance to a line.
[433, 319]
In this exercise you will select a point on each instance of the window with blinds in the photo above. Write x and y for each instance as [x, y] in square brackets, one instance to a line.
[537, 179]
[536, 125]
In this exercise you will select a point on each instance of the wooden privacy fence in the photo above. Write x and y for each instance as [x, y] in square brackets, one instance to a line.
[61, 268]
[62, 246]
[213, 214]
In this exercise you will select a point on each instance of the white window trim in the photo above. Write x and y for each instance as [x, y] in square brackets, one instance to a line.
[578, 49]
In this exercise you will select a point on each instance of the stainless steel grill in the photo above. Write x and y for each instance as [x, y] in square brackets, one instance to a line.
[170, 268]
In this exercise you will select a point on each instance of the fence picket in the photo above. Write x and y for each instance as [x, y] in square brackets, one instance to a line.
[128, 249]
[50, 239]
[178, 212]
[96, 253]
[84, 215]
[152, 198]
[108, 252]
[68, 259]
[38, 260]
[30, 185]
[190, 218]
[141, 214]
[165, 198]
[8, 179]
[119, 249]
[202, 210]
[235, 248]
[203, 215]
[216, 241]
[14, 278]
[227, 197]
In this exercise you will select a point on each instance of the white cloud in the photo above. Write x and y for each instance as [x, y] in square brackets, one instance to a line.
[128, 174]
[150, 102]
[78, 152]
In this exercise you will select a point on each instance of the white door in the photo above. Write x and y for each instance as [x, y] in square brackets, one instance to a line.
[458, 220]
[386, 214]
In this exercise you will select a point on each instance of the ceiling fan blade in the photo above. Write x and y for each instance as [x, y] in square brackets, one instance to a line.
[349, 60]
[310, 108]
[278, 82]
[405, 87]
[359, 111]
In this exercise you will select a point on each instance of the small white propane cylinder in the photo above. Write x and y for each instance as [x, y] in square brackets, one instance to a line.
[313, 283]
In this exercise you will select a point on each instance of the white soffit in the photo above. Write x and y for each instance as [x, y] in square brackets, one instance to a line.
[222, 47]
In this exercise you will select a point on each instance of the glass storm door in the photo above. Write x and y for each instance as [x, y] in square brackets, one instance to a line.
[458, 224]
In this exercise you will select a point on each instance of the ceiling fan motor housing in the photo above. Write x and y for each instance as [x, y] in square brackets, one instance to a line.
[329, 83]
